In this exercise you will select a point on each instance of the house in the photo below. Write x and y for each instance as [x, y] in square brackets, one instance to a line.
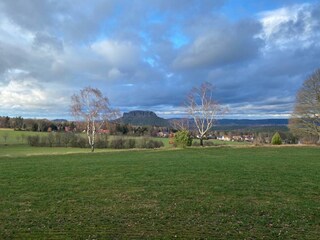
[237, 138]
[163, 134]
[104, 131]
[224, 138]
[248, 138]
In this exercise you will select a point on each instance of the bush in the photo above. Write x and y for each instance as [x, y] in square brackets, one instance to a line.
[118, 143]
[44, 141]
[74, 140]
[130, 143]
[142, 143]
[101, 143]
[82, 142]
[205, 143]
[154, 144]
[208, 143]
[50, 139]
[58, 137]
[196, 144]
[183, 138]
[149, 143]
[33, 140]
[67, 138]
[276, 139]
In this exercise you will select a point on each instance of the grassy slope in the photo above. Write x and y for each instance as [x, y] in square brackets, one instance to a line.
[223, 193]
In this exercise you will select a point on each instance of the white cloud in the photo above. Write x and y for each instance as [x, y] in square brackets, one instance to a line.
[13, 34]
[290, 27]
[119, 54]
[114, 73]
[22, 92]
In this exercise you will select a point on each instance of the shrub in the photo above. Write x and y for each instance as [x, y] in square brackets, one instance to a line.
[142, 143]
[117, 143]
[33, 140]
[73, 140]
[100, 143]
[130, 143]
[82, 142]
[154, 144]
[196, 144]
[183, 138]
[44, 141]
[149, 143]
[205, 143]
[208, 143]
[58, 137]
[276, 139]
[66, 138]
[258, 140]
[50, 139]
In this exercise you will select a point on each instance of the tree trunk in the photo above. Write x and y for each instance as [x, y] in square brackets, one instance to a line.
[201, 141]
[92, 148]
[318, 140]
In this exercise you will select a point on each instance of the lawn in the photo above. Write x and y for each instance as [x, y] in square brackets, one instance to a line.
[216, 193]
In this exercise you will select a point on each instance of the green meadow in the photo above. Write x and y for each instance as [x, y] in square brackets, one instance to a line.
[214, 193]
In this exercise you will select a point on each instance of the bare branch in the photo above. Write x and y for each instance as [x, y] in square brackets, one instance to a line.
[93, 108]
[305, 119]
[203, 109]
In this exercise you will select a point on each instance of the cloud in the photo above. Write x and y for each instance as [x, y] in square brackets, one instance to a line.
[44, 40]
[118, 54]
[222, 45]
[291, 27]
[22, 92]
[37, 15]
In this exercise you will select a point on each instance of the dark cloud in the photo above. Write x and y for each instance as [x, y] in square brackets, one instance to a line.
[222, 45]
[36, 15]
[47, 41]
[11, 57]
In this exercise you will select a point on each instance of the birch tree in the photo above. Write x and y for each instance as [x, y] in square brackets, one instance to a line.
[305, 119]
[91, 107]
[203, 109]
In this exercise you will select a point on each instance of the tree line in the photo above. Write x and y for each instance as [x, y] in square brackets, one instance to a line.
[72, 139]
[35, 125]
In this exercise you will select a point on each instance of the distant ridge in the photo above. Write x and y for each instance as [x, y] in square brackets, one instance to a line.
[149, 118]
[244, 122]
[251, 122]
[143, 118]
[59, 120]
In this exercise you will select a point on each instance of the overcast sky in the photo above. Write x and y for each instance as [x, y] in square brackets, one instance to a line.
[147, 55]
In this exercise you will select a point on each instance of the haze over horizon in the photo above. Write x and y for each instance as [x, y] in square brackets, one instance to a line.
[147, 55]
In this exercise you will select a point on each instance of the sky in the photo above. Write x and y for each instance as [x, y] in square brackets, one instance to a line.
[148, 55]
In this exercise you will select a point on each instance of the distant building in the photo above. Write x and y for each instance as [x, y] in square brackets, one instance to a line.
[104, 131]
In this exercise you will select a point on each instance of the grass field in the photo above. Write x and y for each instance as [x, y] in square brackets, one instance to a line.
[215, 193]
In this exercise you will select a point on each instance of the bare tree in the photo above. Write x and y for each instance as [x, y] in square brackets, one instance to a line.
[305, 119]
[94, 109]
[203, 109]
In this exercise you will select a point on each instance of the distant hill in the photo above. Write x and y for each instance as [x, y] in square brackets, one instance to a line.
[250, 122]
[149, 118]
[244, 122]
[59, 120]
[143, 118]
